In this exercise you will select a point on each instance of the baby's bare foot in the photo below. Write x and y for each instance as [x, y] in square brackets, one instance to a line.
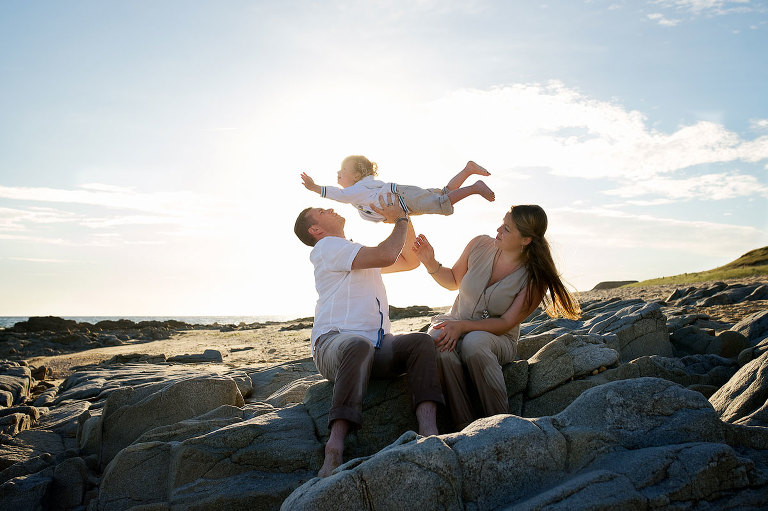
[482, 189]
[474, 168]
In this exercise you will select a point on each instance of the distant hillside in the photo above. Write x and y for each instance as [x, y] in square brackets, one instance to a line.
[753, 263]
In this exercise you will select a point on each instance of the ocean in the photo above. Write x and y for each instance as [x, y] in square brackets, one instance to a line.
[9, 321]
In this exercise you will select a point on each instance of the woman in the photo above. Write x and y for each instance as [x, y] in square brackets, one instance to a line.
[500, 283]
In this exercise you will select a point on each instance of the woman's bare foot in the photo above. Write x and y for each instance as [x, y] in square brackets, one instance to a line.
[333, 458]
[481, 188]
[474, 168]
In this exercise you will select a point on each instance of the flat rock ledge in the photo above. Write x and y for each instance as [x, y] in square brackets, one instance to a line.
[638, 405]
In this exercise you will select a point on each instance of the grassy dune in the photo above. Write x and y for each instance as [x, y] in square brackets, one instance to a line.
[752, 264]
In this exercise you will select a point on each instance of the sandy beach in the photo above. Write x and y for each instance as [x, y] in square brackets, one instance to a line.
[273, 344]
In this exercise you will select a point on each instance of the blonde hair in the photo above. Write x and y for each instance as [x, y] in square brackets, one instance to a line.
[362, 165]
[531, 221]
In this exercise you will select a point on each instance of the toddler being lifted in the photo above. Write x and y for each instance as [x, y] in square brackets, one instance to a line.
[359, 188]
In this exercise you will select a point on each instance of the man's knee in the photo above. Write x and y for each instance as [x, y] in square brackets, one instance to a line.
[358, 348]
[423, 342]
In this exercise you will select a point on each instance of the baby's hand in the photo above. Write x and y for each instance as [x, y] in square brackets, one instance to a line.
[309, 183]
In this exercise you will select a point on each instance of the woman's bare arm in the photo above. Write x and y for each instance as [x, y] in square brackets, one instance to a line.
[449, 278]
[513, 316]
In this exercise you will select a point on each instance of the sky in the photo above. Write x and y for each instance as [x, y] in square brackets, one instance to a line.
[150, 151]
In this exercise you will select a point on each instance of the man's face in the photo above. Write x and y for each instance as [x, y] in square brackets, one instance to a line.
[327, 219]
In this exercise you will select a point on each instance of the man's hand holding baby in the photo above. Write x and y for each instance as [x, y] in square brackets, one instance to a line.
[390, 208]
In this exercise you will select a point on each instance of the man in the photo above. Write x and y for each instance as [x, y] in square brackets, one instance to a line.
[350, 336]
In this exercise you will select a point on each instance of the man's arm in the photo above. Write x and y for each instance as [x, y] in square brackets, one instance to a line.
[388, 251]
[407, 260]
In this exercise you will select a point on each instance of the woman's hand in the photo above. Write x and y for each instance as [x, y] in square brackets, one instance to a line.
[424, 251]
[451, 331]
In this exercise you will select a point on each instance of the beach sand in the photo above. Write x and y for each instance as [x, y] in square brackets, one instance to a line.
[254, 348]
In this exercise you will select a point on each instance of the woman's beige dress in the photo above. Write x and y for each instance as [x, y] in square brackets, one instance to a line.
[482, 352]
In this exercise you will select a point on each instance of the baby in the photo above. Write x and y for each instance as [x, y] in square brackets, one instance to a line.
[360, 189]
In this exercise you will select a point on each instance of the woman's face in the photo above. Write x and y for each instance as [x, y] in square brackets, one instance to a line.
[508, 236]
[347, 174]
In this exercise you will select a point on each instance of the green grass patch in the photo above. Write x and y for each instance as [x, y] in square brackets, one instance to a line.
[722, 273]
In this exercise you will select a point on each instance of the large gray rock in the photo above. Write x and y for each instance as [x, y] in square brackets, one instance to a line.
[266, 382]
[636, 444]
[251, 464]
[568, 356]
[639, 329]
[130, 412]
[179, 431]
[528, 453]
[691, 339]
[279, 448]
[643, 412]
[208, 355]
[598, 489]
[744, 394]
[138, 475]
[293, 392]
[28, 492]
[528, 345]
[516, 380]
[29, 444]
[28, 466]
[558, 399]
[692, 473]
[423, 472]
[753, 327]
[70, 478]
[15, 379]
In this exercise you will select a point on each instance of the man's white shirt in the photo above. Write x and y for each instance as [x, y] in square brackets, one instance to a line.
[347, 299]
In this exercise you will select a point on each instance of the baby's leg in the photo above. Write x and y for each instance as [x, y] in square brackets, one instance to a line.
[478, 188]
[471, 168]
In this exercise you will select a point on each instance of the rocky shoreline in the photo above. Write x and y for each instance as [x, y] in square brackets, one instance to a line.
[656, 398]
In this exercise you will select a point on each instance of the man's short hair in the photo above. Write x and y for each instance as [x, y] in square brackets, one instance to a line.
[301, 228]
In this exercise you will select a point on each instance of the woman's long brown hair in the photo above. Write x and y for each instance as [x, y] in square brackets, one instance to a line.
[531, 221]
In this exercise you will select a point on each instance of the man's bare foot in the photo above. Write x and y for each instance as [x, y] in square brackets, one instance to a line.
[428, 431]
[426, 416]
[482, 189]
[474, 168]
[333, 458]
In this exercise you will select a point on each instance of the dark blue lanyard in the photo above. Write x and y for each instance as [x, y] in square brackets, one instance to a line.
[380, 337]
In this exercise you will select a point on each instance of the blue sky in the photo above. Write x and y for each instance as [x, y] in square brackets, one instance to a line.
[150, 152]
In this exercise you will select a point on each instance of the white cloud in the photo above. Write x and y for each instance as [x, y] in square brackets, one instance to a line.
[16, 220]
[758, 124]
[113, 197]
[707, 7]
[708, 187]
[534, 125]
[104, 222]
[662, 20]
[38, 260]
[98, 205]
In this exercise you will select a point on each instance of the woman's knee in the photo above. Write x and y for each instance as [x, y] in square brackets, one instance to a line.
[476, 345]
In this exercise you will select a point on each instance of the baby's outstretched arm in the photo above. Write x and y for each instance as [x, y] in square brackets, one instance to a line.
[309, 183]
